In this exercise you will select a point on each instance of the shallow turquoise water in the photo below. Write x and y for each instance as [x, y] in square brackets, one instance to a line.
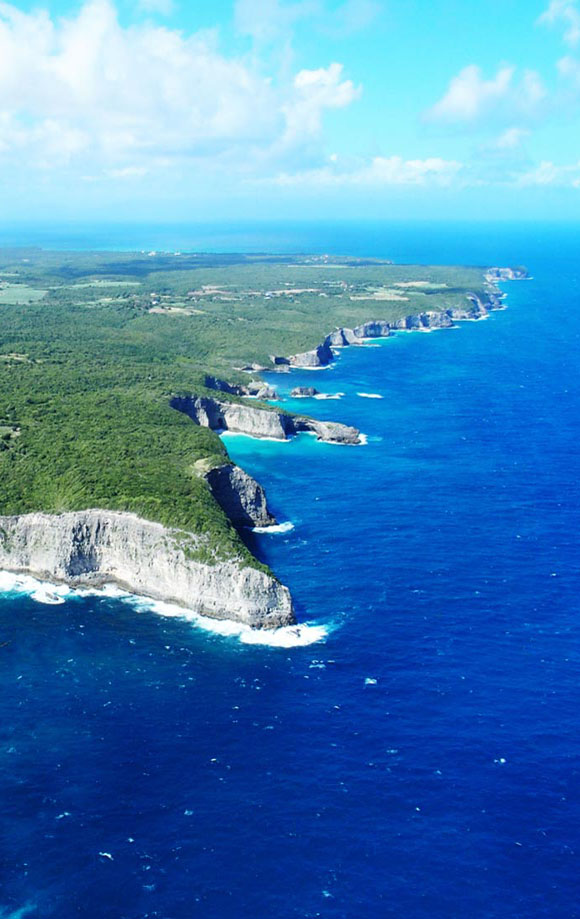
[219, 779]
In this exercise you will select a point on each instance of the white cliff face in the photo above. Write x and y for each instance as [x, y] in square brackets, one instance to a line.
[323, 355]
[233, 416]
[240, 496]
[318, 357]
[96, 546]
[259, 422]
[507, 274]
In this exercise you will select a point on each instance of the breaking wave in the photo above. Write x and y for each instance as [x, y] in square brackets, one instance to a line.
[291, 636]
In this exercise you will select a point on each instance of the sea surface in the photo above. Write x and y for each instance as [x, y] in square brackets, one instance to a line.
[421, 757]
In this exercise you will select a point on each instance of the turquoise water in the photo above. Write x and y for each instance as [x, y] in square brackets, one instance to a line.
[423, 760]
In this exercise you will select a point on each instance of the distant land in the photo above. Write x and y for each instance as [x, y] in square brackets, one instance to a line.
[119, 370]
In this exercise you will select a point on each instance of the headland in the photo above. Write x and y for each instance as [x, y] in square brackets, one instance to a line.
[118, 373]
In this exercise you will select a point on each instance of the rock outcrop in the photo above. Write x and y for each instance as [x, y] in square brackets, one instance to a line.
[93, 547]
[330, 432]
[318, 357]
[376, 328]
[507, 274]
[304, 392]
[240, 496]
[427, 320]
[341, 338]
[259, 422]
[233, 416]
[255, 389]
[252, 368]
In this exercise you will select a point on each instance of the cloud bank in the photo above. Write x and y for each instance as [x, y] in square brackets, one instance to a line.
[87, 88]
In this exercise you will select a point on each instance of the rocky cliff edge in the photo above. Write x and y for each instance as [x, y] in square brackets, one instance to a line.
[90, 548]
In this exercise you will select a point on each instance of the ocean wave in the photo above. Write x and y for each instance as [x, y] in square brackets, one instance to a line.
[363, 440]
[323, 367]
[290, 636]
[276, 440]
[273, 530]
[49, 597]
[40, 591]
[370, 395]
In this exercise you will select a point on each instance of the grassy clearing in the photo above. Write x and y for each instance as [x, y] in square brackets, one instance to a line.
[20, 293]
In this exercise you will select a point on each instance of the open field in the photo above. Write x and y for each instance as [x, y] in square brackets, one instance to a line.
[19, 293]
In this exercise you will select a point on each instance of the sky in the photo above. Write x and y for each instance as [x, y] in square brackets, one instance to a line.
[317, 109]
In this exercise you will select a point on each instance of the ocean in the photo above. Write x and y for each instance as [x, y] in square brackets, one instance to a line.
[421, 757]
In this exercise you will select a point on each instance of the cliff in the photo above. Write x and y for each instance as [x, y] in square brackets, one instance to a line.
[318, 357]
[259, 422]
[96, 546]
[507, 274]
[323, 355]
[240, 496]
[255, 389]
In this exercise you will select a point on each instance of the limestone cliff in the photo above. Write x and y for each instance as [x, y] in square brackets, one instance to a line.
[259, 422]
[323, 355]
[240, 496]
[255, 389]
[318, 357]
[96, 546]
[507, 274]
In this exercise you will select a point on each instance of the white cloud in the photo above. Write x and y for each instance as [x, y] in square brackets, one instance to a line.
[470, 96]
[530, 92]
[569, 68]
[510, 139]
[381, 173]
[315, 91]
[548, 173]
[377, 173]
[86, 88]
[567, 13]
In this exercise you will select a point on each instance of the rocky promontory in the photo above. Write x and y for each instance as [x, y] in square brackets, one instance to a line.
[507, 274]
[239, 495]
[255, 389]
[132, 451]
[92, 547]
[304, 392]
[220, 415]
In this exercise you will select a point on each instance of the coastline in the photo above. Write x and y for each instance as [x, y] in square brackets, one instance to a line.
[53, 593]
[261, 615]
[323, 355]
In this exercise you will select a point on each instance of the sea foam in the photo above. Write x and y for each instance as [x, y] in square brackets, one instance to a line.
[273, 530]
[291, 636]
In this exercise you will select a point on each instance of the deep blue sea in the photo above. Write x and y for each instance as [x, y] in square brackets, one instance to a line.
[423, 760]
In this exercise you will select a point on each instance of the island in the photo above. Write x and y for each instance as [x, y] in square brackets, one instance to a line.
[119, 371]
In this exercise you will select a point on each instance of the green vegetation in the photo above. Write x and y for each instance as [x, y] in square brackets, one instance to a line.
[19, 293]
[92, 345]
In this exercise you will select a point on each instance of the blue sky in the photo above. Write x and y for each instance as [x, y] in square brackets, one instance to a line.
[311, 108]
